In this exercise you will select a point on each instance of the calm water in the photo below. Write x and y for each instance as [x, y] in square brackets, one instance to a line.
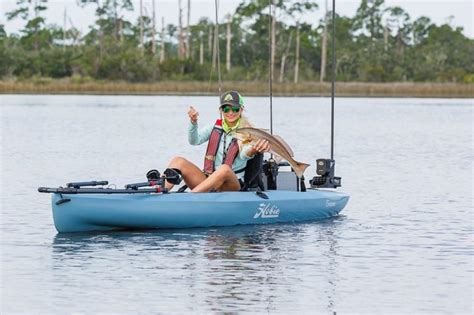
[404, 243]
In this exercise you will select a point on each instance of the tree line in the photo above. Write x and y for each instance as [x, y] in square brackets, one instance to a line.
[379, 44]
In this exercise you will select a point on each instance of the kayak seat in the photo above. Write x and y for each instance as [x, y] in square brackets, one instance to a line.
[253, 177]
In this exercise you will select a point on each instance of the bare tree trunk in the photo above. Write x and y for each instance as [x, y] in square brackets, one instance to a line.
[273, 47]
[180, 33]
[162, 51]
[153, 31]
[324, 48]
[229, 39]
[400, 46]
[75, 35]
[297, 53]
[188, 30]
[121, 31]
[284, 56]
[201, 51]
[36, 29]
[385, 38]
[101, 44]
[141, 26]
[209, 42]
[216, 43]
[115, 21]
[64, 29]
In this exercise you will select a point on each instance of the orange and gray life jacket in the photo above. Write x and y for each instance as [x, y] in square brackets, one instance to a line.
[213, 145]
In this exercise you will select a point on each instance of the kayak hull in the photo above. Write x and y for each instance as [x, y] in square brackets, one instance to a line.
[102, 212]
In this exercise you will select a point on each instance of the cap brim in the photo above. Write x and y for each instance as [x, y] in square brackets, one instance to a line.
[231, 104]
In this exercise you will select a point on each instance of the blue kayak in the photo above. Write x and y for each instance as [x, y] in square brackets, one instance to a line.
[104, 212]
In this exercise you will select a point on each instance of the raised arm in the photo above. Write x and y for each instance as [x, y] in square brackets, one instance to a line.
[197, 136]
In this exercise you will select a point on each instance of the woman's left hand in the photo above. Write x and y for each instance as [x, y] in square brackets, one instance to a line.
[261, 145]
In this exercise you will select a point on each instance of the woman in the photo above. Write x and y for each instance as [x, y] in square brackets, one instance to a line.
[226, 157]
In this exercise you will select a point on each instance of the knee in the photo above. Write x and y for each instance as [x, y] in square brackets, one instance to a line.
[178, 162]
[225, 169]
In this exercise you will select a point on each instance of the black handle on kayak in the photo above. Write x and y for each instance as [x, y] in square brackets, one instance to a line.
[91, 183]
[71, 190]
[158, 182]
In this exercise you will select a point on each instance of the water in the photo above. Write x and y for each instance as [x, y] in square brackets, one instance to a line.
[404, 243]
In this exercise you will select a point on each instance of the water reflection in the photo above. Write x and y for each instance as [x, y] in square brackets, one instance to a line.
[243, 268]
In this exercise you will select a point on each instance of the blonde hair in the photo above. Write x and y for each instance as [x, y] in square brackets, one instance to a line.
[244, 122]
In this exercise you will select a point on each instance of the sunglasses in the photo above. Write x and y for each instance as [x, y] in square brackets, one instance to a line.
[227, 108]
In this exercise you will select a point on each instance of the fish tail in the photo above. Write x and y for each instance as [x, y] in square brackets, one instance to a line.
[300, 168]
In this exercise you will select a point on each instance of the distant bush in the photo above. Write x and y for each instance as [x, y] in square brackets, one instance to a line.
[469, 78]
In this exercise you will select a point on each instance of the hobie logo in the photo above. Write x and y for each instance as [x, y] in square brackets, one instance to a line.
[267, 210]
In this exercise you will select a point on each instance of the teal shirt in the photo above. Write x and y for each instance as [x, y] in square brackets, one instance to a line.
[197, 136]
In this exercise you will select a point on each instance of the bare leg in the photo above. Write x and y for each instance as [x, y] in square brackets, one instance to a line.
[191, 174]
[223, 179]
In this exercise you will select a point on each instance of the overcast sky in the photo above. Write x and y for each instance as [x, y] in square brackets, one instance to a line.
[455, 12]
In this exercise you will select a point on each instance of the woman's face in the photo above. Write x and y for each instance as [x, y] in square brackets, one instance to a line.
[230, 113]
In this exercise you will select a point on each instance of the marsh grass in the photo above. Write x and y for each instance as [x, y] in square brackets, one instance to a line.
[89, 86]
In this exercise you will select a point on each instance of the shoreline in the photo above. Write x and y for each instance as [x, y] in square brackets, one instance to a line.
[250, 88]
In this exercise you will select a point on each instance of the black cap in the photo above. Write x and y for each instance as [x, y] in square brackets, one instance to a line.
[232, 98]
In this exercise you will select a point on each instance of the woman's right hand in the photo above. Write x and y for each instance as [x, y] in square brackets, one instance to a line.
[193, 115]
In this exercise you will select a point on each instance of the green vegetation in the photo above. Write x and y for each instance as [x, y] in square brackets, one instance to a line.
[379, 44]
[81, 85]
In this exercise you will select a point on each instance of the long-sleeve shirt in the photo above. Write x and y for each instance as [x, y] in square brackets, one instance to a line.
[197, 136]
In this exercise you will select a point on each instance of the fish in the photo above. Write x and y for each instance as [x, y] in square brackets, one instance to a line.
[277, 146]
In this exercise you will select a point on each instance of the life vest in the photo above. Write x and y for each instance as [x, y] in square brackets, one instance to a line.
[213, 145]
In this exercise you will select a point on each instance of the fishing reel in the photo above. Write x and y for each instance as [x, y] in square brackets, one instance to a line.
[326, 178]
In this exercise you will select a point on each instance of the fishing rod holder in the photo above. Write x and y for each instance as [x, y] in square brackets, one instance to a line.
[325, 171]
[135, 186]
[89, 183]
[171, 175]
[154, 179]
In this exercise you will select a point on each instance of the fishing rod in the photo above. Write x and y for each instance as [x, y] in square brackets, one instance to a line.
[333, 79]
[325, 168]
[270, 168]
[217, 51]
[270, 48]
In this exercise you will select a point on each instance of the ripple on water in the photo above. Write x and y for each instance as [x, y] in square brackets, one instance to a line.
[402, 245]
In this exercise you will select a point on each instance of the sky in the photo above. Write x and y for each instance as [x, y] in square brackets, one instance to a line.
[455, 12]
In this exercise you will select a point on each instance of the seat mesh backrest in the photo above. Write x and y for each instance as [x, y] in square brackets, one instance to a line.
[253, 177]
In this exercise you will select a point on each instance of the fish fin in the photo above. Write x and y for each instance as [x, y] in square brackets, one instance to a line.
[300, 168]
[286, 145]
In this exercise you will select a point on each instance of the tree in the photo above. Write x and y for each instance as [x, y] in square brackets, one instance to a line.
[153, 36]
[188, 26]
[162, 46]
[399, 23]
[142, 46]
[420, 29]
[369, 18]
[379, 44]
[31, 12]
[181, 48]
[109, 13]
[324, 45]
[229, 42]
[297, 55]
